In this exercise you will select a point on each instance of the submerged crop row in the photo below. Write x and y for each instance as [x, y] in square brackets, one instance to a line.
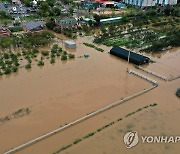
[93, 46]
[17, 114]
[76, 141]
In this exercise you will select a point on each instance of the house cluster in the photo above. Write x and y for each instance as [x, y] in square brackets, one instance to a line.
[38, 26]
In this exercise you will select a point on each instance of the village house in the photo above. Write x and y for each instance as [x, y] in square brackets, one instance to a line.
[34, 26]
[66, 23]
[4, 31]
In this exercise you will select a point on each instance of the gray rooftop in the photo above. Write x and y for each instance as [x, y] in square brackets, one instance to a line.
[34, 24]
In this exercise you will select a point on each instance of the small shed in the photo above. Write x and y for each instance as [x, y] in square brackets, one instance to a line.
[133, 58]
[70, 44]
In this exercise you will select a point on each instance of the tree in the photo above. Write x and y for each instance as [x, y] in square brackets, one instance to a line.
[56, 11]
[168, 10]
[97, 18]
[44, 9]
[27, 3]
[51, 24]
[71, 10]
[51, 2]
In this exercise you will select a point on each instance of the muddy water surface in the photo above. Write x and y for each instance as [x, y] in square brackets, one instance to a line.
[60, 93]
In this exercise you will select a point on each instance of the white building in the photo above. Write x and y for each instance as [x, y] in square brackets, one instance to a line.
[145, 3]
[165, 2]
[70, 44]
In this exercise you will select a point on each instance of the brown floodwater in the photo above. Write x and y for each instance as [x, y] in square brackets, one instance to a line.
[166, 63]
[65, 91]
[60, 93]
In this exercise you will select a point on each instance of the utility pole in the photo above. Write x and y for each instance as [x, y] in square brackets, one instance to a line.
[128, 60]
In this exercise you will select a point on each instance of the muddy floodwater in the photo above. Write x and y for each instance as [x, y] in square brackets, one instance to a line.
[65, 91]
[167, 63]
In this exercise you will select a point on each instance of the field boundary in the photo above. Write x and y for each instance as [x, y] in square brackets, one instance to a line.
[123, 100]
[158, 75]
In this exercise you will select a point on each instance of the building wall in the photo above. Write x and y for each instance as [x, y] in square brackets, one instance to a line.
[144, 3]
[165, 2]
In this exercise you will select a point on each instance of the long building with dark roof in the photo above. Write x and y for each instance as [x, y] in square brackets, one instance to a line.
[133, 58]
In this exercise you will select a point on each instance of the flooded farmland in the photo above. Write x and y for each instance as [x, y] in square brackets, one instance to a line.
[67, 90]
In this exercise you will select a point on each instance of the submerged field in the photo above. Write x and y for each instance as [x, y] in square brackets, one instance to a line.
[56, 94]
[60, 93]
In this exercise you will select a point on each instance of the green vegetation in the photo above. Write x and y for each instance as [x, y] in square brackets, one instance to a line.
[5, 17]
[45, 53]
[77, 141]
[52, 61]
[178, 92]
[16, 29]
[28, 40]
[139, 29]
[40, 63]
[89, 135]
[93, 46]
[10, 62]
[17, 114]
[28, 66]
[102, 128]
[71, 56]
[64, 57]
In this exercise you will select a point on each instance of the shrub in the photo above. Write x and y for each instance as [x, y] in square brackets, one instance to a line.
[153, 104]
[53, 55]
[60, 49]
[35, 50]
[63, 57]
[52, 60]
[7, 70]
[89, 135]
[54, 48]
[65, 52]
[58, 54]
[77, 141]
[45, 53]
[29, 60]
[14, 69]
[119, 119]
[28, 66]
[40, 63]
[16, 29]
[71, 56]
[6, 55]
[16, 63]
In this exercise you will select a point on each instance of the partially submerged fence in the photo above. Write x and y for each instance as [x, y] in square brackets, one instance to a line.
[154, 82]
[153, 73]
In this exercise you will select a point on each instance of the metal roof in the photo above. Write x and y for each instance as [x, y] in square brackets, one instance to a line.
[34, 24]
[134, 57]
